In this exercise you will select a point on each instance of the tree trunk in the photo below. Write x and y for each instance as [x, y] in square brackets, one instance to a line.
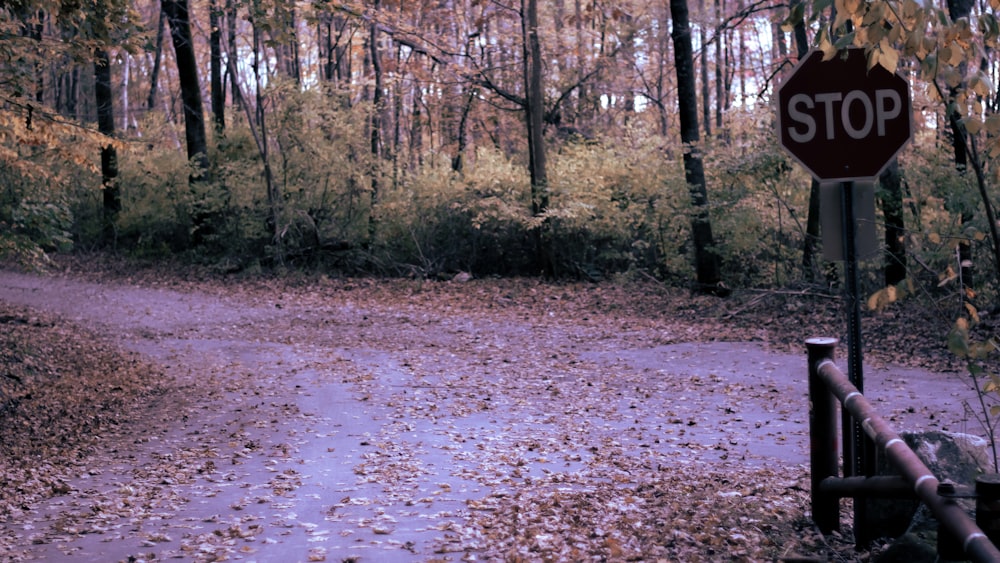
[721, 95]
[109, 155]
[584, 109]
[892, 210]
[662, 86]
[126, 78]
[218, 92]
[417, 127]
[324, 45]
[284, 40]
[343, 67]
[706, 97]
[396, 146]
[742, 62]
[258, 127]
[69, 89]
[534, 117]
[68, 83]
[458, 162]
[811, 240]
[707, 267]
[295, 65]
[234, 86]
[154, 76]
[376, 118]
[178, 16]
[958, 9]
[534, 107]
[32, 26]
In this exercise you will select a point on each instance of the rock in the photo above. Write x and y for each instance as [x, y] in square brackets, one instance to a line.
[951, 457]
[911, 548]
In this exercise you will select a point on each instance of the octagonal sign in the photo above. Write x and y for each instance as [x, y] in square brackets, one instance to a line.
[842, 121]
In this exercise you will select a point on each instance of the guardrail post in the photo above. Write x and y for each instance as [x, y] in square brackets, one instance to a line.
[949, 547]
[988, 505]
[822, 436]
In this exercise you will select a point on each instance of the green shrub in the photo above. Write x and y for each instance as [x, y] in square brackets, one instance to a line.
[618, 206]
[324, 168]
[36, 215]
[156, 216]
[438, 221]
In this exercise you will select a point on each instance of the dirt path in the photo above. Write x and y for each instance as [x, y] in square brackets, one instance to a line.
[329, 428]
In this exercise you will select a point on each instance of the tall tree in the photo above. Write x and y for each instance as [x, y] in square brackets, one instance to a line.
[810, 241]
[179, 18]
[534, 106]
[534, 115]
[706, 98]
[154, 76]
[721, 92]
[957, 10]
[217, 88]
[67, 80]
[284, 39]
[258, 127]
[102, 31]
[106, 125]
[707, 268]
[375, 124]
[894, 270]
[231, 53]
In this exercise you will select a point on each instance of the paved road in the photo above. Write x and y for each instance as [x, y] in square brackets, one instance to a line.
[331, 431]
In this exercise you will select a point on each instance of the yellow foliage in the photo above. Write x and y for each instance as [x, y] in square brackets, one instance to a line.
[36, 144]
[946, 277]
[888, 57]
[958, 338]
[993, 124]
[845, 10]
[961, 344]
[973, 313]
[973, 125]
[882, 298]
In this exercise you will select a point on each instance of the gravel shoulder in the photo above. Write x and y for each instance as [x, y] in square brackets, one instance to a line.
[320, 419]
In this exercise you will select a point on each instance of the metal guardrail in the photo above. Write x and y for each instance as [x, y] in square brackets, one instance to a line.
[827, 386]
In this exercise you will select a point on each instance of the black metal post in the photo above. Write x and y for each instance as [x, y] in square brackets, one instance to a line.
[822, 436]
[988, 505]
[879, 486]
[859, 452]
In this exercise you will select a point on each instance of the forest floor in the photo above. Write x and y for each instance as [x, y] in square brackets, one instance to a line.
[151, 415]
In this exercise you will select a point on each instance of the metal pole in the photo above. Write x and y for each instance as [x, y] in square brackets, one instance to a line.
[858, 452]
[988, 505]
[822, 437]
[879, 486]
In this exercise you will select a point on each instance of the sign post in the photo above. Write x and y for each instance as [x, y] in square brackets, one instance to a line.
[845, 122]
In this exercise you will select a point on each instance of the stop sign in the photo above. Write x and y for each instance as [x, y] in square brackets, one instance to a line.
[842, 121]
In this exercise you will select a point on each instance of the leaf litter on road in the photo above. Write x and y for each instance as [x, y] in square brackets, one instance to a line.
[496, 419]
